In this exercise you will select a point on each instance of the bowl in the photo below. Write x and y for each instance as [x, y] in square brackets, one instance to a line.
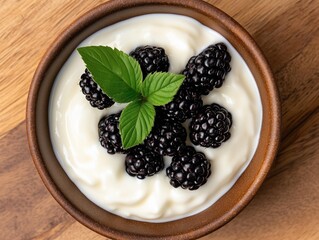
[71, 198]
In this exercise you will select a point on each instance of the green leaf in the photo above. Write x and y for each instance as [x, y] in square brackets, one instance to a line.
[159, 88]
[117, 74]
[136, 122]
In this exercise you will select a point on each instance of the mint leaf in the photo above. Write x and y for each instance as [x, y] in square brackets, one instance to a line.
[159, 88]
[136, 122]
[117, 74]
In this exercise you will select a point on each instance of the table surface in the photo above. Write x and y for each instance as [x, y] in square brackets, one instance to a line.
[286, 206]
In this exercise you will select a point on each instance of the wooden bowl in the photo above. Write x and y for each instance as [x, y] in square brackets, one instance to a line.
[69, 196]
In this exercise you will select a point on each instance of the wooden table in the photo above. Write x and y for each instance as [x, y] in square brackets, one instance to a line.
[286, 206]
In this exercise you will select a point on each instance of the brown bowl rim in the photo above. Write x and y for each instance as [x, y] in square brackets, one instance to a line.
[113, 6]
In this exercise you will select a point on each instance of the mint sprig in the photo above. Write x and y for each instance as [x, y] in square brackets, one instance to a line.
[121, 78]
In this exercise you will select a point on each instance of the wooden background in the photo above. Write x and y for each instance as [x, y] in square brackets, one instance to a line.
[287, 205]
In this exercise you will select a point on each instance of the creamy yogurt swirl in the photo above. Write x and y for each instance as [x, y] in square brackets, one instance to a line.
[101, 177]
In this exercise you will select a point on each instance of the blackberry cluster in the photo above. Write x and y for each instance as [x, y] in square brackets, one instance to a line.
[151, 59]
[93, 93]
[140, 162]
[109, 134]
[185, 103]
[208, 69]
[167, 137]
[210, 126]
[189, 169]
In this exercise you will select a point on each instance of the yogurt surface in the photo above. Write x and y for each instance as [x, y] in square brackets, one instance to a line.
[100, 176]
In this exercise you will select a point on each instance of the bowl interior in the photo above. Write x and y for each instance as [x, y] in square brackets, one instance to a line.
[68, 195]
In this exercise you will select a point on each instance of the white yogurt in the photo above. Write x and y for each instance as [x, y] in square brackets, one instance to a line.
[102, 177]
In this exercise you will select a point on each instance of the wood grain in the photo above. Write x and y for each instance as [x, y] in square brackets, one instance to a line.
[286, 207]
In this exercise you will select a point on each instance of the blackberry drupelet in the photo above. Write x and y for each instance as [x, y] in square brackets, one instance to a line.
[109, 134]
[208, 69]
[189, 169]
[141, 162]
[210, 126]
[151, 59]
[93, 93]
[185, 104]
[167, 137]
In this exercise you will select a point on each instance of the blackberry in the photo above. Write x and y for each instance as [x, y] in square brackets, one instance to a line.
[151, 59]
[208, 69]
[210, 126]
[141, 162]
[109, 134]
[189, 169]
[93, 93]
[167, 137]
[185, 103]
